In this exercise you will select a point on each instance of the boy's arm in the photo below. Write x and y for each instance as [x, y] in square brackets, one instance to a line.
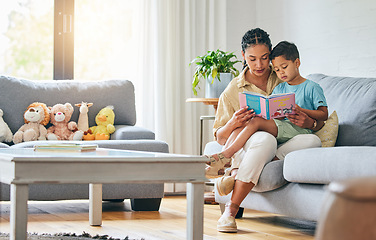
[302, 120]
[321, 114]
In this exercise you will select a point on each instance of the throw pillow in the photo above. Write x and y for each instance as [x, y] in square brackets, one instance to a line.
[329, 132]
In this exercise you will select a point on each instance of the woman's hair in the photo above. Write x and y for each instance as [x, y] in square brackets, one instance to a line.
[254, 37]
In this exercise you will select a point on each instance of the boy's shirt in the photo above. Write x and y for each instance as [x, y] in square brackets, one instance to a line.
[308, 95]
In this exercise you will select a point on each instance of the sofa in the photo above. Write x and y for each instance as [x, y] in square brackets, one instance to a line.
[17, 94]
[295, 186]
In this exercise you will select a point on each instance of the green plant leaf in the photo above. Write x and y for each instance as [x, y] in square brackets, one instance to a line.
[211, 64]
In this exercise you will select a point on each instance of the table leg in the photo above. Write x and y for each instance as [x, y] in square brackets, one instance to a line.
[95, 204]
[195, 211]
[18, 212]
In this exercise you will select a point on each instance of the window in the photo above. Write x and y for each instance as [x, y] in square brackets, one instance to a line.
[91, 39]
[26, 38]
[105, 39]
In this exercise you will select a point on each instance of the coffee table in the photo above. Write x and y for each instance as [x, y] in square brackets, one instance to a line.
[21, 167]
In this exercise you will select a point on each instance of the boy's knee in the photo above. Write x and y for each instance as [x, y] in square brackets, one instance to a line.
[256, 121]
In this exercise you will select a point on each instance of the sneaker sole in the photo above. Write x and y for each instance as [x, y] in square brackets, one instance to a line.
[226, 229]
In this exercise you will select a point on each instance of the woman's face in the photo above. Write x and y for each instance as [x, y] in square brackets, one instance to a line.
[257, 59]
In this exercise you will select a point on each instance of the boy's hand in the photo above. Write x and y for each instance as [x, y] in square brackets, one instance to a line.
[300, 118]
[297, 108]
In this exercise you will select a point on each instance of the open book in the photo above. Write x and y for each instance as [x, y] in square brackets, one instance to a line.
[268, 107]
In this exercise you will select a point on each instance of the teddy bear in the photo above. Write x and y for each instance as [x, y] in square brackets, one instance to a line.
[105, 125]
[62, 128]
[5, 132]
[36, 117]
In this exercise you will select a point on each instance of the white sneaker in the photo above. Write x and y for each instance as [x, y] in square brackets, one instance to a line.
[227, 224]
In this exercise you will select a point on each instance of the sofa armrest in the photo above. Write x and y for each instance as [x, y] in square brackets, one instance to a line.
[324, 165]
[127, 132]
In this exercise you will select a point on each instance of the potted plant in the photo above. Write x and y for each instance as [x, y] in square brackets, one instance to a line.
[211, 66]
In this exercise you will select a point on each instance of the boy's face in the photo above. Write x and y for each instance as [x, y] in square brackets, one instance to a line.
[286, 70]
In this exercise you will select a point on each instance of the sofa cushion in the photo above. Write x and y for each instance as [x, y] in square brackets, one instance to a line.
[271, 177]
[19, 93]
[324, 165]
[3, 145]
[354, 100]
[124, 132]
[329, 132]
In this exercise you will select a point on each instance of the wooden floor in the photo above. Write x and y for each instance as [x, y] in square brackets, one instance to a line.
[169, 223]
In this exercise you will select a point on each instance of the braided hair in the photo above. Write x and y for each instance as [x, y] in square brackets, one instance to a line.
[254, 37]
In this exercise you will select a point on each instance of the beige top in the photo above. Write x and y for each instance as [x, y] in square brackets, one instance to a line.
[228, 102]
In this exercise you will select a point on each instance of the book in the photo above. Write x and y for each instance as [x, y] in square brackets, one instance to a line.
[66, 147]
[268, 107]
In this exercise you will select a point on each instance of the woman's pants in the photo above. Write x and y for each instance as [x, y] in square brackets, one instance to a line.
[261, 148]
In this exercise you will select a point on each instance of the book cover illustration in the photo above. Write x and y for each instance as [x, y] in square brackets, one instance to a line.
[268, 107]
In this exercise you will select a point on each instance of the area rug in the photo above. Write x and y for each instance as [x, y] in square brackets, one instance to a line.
[66, 236]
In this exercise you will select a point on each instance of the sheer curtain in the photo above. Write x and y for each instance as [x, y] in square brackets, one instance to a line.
[172, 33]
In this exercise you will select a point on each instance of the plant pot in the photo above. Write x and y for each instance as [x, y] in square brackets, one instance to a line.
[214, 90]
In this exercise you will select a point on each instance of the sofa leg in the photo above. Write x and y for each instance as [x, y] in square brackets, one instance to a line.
[238, 215]
[146, 204]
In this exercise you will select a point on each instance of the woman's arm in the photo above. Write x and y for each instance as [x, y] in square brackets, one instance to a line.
[238, 119]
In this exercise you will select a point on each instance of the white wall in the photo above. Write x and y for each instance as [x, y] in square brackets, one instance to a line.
[240, 18]
[334, 37]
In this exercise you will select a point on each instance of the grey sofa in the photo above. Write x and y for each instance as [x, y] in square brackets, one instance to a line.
[295, 186]
[16, 94]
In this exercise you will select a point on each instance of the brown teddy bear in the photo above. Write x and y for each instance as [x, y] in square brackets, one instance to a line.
[62, 129]
[36, 117]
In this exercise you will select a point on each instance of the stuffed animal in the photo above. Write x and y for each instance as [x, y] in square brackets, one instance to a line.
[105, 125]
[62, 128]
[83, 119]
[36, 117]
[5, 132]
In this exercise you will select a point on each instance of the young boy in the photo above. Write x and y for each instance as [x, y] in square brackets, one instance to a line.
[309, 98]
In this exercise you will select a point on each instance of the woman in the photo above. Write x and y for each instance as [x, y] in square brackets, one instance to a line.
[257, 76]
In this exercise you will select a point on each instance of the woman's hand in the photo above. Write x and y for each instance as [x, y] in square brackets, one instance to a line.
[300, 118]
[241, 117]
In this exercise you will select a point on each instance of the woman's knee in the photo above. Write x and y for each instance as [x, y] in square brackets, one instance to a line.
[261, 138]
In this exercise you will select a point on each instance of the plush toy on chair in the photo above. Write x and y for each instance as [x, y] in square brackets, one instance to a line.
[5, 132]
[62, 128]
[105, 125]
[36, 117]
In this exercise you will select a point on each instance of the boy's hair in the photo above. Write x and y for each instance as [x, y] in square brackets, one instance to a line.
[286, 49]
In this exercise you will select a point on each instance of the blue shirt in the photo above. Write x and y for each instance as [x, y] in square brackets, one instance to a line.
[308, 95]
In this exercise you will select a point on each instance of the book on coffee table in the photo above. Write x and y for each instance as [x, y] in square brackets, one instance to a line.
[66, 147]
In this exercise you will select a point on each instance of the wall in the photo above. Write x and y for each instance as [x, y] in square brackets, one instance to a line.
[334, 37]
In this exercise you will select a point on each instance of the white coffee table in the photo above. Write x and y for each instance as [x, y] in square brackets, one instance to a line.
[21, 167]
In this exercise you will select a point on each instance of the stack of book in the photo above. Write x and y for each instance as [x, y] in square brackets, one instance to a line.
[66, 147]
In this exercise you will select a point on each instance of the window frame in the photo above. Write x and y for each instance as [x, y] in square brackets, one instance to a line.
[63, 40]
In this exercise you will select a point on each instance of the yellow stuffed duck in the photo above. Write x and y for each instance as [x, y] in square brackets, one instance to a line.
[105, 125]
